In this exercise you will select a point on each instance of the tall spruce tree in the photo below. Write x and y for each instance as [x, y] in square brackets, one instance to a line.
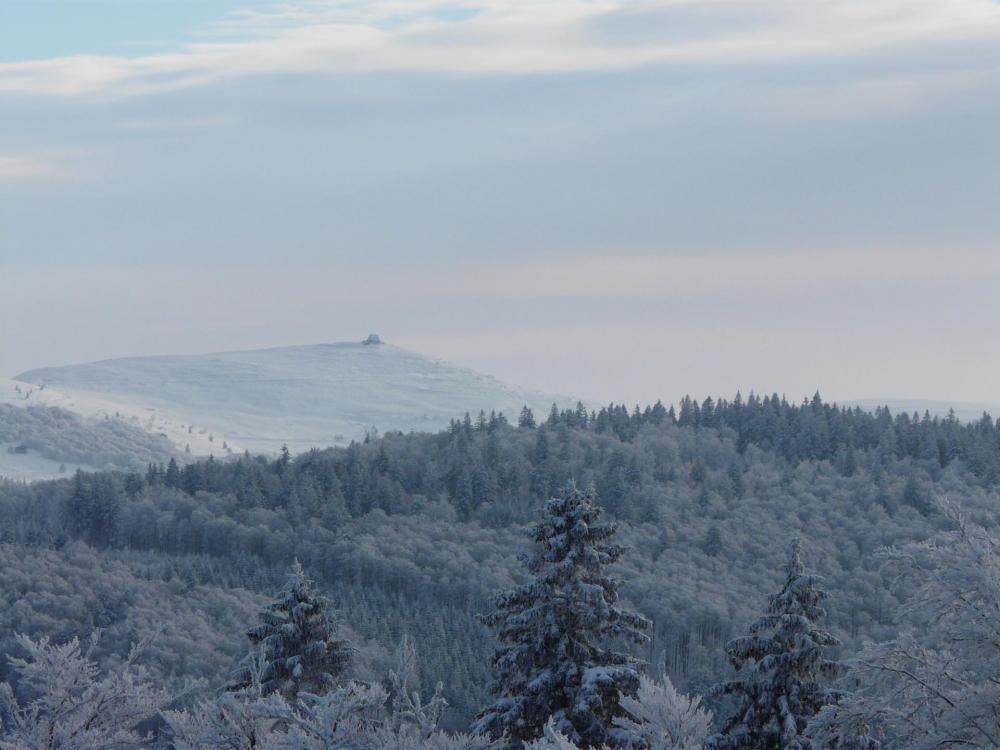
[555, 658]
[294, 646]
[781, 666]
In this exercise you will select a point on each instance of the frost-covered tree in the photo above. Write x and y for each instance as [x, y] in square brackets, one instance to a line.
[781, 667]
[554, 659]
[296, 635]
[938, 684]
[663, 718]
[75, 706]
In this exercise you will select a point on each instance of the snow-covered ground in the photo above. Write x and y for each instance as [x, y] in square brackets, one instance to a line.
[302, 396]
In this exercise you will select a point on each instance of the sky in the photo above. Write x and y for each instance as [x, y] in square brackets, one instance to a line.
[613, 199]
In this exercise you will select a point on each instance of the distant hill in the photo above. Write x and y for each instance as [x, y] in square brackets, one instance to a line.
[305, 396]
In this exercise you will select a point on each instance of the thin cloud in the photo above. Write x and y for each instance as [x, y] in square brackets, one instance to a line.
[55, 166]
[619, 276]
[154, 126]
[512, 37]
[580, 278]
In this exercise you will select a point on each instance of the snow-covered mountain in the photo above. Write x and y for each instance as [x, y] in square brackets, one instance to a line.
[304, 396]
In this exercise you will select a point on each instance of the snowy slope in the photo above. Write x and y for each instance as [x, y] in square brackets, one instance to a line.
[304, 396]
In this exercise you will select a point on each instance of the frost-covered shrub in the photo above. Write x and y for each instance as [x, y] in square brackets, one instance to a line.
[356, 716]
[75, 706]
[248, 720]
[551, 739]
[659, 718]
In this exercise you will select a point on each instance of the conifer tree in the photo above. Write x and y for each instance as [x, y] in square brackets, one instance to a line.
[554, 659]
[172, 477]
[713, 542]
[284, 458]
[781, 666]
[527, 419]
[294, 645]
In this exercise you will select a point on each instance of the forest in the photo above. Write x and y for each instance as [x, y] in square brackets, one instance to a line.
[724, 537]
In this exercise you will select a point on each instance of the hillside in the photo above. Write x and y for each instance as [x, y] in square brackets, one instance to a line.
[302, 396]
[412, 533]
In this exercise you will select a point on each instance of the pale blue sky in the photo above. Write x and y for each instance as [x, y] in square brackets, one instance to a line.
[622, 199]
[33, 29]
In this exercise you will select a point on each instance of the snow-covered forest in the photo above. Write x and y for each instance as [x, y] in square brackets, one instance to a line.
[730, 574]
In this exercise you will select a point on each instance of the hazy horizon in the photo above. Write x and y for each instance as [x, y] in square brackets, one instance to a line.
[966, 410]
[616, 200]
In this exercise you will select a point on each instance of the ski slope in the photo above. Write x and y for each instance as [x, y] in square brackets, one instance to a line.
[302, 396]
